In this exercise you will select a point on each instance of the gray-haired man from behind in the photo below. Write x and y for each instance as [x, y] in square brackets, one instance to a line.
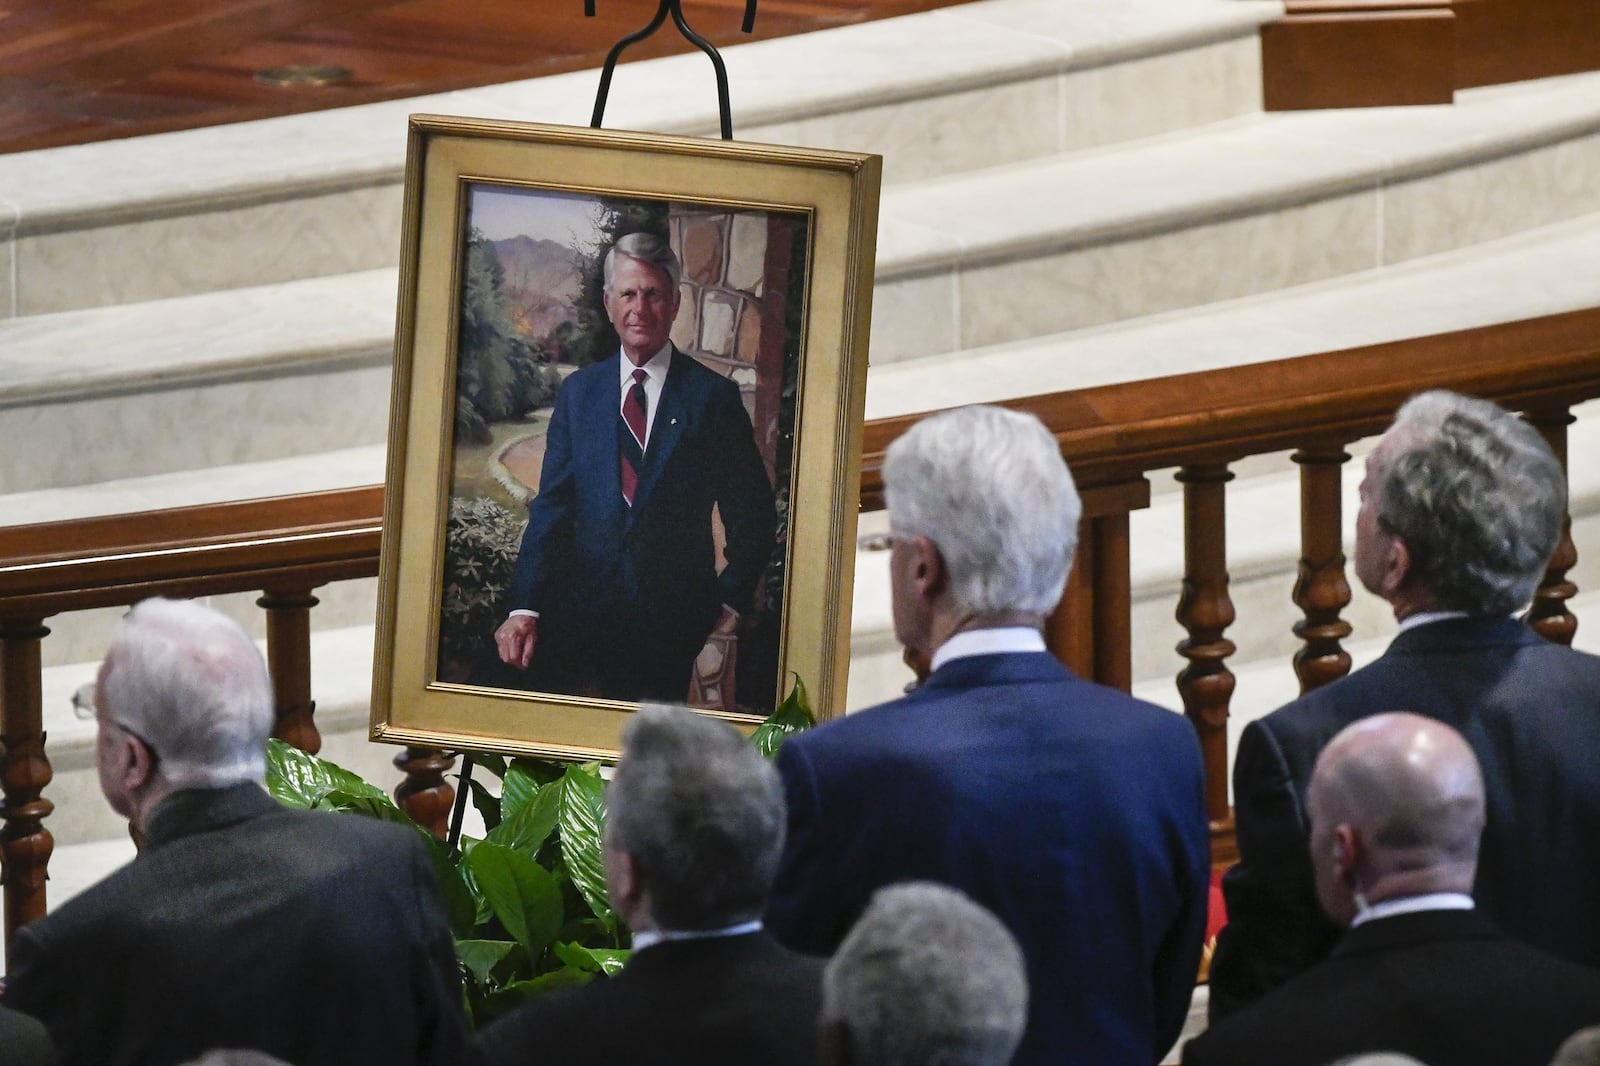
[1461, 508]
[926, 976]
[694, 829]
[316, 937]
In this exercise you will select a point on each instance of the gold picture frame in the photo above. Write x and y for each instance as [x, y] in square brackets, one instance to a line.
[502, 301]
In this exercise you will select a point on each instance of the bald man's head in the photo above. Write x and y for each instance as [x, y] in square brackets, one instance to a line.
[1397, 809]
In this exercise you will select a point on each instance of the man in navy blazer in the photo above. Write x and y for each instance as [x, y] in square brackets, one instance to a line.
[616, 588]
[1461, 508]
[1072, 811]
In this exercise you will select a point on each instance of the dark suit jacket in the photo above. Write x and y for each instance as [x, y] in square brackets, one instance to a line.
[1072, 811]
[23, 1041]
[316, 937]
[726, 1001]
[1530, 710]
[1442, 986]
[641, 581]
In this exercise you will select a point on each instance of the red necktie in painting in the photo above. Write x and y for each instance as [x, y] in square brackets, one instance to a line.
[635, 415]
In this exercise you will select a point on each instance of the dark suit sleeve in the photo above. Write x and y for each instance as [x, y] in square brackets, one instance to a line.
[24, 1042]
[33, 985]
[439, 1015]
[801, 911]
[1276, 929]
[1177, 960]
[547, 541]
[744, 502]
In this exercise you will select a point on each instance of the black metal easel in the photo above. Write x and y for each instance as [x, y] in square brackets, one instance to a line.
[674, 8]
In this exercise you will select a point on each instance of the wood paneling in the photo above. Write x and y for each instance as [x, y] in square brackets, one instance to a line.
[86, 70]
[1512, 40]
[1359, 56]
[1363, 53]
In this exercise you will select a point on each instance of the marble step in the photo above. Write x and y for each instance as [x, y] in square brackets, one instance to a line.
[263, 202]
[305, 365]
[1255, 205]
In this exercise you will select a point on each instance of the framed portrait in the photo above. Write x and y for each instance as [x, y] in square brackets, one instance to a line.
[625, 432]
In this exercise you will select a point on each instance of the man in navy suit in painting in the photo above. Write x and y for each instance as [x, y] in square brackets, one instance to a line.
[616, 589]
[1072, 811]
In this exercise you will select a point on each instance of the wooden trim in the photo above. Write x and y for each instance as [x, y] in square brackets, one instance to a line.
[1350, 53]
[1115, 433]
[308, 540]
[1513, 40]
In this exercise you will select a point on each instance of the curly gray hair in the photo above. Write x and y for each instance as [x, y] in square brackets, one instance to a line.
[1477, 496]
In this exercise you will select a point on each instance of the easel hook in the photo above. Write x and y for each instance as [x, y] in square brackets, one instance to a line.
[675, 9]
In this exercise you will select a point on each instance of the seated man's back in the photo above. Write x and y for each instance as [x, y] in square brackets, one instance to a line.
[317, 937]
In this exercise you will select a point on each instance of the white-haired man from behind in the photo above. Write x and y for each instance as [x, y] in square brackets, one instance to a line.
[1072, 811]
[316, 937]
[926, 976]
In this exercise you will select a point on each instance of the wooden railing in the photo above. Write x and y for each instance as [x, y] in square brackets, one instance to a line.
[1112, 437]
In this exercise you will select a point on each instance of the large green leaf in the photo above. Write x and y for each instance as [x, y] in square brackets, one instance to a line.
[581, 816]
[791, 716]
[520, 892]
[517, 993]
[517, 790]
[531, 825]
[482, 956]
[591, 960]
[297, 779]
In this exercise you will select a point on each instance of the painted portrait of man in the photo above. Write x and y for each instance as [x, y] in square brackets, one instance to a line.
[653, 534]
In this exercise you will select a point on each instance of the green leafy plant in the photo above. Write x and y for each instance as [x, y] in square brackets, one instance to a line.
[526, 903]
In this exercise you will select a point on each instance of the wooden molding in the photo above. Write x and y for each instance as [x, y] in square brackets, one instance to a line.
[1350, 53]
[1513, 40]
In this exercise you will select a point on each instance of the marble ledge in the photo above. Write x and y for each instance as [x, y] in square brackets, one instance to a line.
[781, 79]
[324, 321]
[1243, 166]
[1537, 273]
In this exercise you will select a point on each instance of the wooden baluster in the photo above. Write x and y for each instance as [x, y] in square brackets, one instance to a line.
[1321, 590]
[1069, 630]
[1549, 614]
[25, 844]
[425, 794]
[289, 664]
[1113, 602]
[1090, 629]
[1205, 611]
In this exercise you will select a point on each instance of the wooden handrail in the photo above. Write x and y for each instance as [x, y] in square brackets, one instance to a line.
[1112, 433]
[240, 546]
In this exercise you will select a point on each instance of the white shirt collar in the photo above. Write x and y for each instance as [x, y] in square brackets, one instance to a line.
[1433, 901]
[656, 366]
[652, 937]
[988, 642]
[1422, 618]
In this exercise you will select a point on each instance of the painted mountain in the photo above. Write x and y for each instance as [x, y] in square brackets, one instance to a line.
[542, 281]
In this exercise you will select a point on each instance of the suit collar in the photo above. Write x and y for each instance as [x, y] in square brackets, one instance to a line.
[972, 671]
[1461, 634]
[668, 955]
[199, 810]
[1408, 930]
